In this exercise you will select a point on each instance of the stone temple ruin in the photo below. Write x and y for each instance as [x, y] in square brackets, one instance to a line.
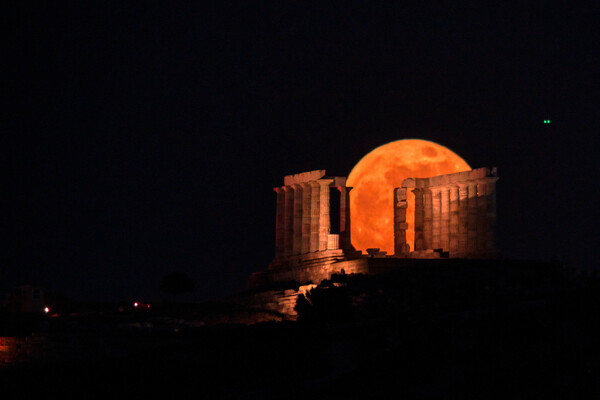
[454, 218]
[454, 214]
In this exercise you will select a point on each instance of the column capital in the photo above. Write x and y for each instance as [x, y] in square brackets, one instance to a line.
[324, 182]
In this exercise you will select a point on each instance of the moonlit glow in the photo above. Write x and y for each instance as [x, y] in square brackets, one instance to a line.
[374, 179]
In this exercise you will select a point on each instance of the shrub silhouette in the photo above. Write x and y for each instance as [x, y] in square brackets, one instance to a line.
[324, 304]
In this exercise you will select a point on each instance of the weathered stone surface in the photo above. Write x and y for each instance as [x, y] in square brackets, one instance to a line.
[472, 219]
[306, 215]
[324, 223]
[400, 225]
[463, 208]
[297, 246]
[333, 241]
[427, 219]
[303, 235]
[454, 212]
[445, 218]
[409, 183]
[436, 223]
[419, 219]
[315, 215]
[454, 218]
[303, 177]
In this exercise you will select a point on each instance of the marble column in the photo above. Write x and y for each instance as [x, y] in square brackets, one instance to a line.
[324, 223]
[345, 238]
[419, 219]
[279, 222]
[315, 202]
[297, 247]
[445, 218]
[306, 193]
[400, 225]
[427, 220]
[463, 209]
[436, 218]
[288, 222]
[454, 218]
[472, 219]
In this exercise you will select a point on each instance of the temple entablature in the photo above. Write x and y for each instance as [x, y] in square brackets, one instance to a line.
[303, 177]
[457, 177]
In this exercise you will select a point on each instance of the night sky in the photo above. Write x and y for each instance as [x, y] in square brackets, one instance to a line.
[141, 138]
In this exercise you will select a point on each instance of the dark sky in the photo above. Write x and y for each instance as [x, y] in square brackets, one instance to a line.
[142, 138]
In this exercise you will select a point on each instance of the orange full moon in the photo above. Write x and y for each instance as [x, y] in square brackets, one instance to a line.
[374, 179]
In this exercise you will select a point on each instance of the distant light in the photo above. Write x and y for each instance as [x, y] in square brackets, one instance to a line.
[148, 305]
[135, 304]
[546, 121]
[46, 310]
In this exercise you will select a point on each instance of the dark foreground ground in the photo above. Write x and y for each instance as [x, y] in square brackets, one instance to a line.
[526, 331]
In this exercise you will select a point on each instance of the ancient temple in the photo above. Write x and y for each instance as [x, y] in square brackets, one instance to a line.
[454, 218]
[303, 215]
[304, 242]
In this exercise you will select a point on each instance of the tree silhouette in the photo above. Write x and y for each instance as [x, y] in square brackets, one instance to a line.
[176, 283]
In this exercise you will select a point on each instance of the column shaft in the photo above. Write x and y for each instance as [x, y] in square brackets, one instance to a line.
[445, 217]
[454, 218]
[436, 218]
[419, 219]
[297, 248]
[315, 202]
[463, 208]
[427, 220]
[324, 224]
[472, 219]
[306, 193]
[400, 225]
